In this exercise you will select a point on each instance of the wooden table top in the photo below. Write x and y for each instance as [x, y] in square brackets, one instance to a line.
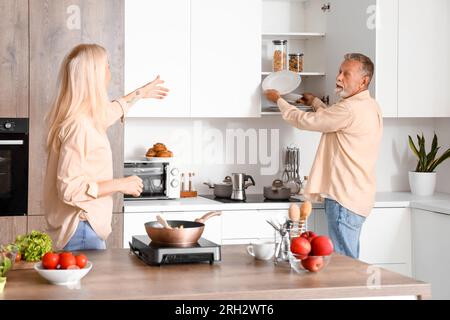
[118, 274]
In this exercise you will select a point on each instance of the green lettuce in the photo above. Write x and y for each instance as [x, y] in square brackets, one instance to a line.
[34, 246]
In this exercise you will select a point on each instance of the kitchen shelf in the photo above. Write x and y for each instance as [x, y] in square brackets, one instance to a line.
[293, 35]
[265, 112]
[303, 74]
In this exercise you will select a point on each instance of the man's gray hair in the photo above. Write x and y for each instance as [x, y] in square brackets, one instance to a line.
[367, 64]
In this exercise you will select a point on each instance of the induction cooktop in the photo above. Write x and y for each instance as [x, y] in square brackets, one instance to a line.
[156, 254]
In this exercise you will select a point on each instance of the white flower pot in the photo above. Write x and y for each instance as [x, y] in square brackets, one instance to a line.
[422, 183]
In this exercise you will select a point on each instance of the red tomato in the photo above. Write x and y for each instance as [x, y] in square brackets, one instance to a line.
[81, 260]
[50, 260]
[308, 235]
[300, 246]
[321, 246]
[66, 260]
[18, 257]
[313, 264]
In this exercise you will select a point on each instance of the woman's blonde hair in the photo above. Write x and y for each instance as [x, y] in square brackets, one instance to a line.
[81, 90]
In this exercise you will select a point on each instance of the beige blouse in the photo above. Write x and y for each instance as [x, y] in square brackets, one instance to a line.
[344, 167]
[84, 158]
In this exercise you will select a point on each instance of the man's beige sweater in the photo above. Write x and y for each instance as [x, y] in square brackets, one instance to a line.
[344, 167]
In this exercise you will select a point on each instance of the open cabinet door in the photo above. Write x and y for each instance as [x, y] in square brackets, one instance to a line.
[350, 28]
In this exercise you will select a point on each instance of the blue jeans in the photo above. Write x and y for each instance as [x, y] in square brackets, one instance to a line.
[85, 238]
[344, 228]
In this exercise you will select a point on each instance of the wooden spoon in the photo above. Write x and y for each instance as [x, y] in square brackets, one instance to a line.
[163, 221]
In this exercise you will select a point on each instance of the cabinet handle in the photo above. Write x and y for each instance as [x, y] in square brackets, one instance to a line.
[11, 142]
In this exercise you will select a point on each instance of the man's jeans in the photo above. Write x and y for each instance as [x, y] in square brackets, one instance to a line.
[85, 238]
[344, 228]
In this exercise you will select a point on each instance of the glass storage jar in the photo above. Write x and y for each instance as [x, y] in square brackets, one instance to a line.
[279, 62]
[296, 62]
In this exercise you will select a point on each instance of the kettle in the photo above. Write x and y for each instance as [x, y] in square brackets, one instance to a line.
[238, 182]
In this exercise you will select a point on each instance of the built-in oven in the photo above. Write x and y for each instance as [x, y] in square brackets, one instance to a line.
[13, 166]
[161, 178]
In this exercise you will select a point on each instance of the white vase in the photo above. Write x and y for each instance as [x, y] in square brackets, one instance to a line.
[422, 183]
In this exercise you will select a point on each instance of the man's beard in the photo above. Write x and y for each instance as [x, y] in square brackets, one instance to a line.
[341, 92]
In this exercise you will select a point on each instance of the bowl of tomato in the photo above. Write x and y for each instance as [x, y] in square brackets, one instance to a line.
[63, 268]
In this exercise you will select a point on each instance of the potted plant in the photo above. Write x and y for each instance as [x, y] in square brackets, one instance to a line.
[423, 180]
[5, 265]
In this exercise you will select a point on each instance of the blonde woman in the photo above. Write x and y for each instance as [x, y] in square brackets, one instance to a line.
[79, 182]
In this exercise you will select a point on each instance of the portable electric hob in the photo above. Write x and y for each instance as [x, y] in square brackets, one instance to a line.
[156, 254]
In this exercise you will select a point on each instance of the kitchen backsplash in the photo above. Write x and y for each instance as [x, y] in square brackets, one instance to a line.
[214, 148]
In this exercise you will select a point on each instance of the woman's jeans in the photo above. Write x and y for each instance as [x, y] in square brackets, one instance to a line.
[85, 238]
[344, 228]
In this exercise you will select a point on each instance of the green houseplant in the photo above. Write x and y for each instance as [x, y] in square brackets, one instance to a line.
[423, 179]
[5, 265]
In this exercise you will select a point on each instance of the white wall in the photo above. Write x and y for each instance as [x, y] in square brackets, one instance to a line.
[188, 139]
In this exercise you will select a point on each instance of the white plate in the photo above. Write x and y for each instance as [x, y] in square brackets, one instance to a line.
[283, 81]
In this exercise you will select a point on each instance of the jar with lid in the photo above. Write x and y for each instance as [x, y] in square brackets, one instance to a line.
[279, 62]
[296, 62]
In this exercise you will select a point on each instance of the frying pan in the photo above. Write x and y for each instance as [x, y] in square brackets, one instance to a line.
[184, 237]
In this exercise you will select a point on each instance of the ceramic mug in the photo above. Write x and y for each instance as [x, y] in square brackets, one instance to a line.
[262, 249]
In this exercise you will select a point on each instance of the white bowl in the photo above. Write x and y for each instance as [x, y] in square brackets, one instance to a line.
[63, 277]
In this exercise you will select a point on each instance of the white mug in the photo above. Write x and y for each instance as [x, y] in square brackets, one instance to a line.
[261, 250]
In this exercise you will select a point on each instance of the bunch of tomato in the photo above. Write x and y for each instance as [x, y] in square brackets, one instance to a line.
[64, 260]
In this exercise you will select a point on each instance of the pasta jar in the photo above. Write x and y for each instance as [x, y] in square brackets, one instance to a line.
[296, 62]
[279, 55]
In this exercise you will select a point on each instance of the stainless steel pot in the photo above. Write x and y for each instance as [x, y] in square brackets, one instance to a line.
[222, 190]
[277, 191]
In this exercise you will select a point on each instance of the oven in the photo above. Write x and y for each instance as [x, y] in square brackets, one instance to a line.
[160, 177]
[13, 166]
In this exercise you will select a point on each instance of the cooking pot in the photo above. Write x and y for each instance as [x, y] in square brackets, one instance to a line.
[182, 233]
[277, 191]
[222, 190]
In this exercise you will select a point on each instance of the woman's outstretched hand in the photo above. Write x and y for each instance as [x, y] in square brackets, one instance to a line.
[154, 90]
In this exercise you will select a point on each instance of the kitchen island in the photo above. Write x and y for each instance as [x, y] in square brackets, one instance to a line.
[119, 274]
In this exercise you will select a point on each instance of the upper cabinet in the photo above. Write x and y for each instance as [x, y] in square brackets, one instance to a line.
[225, 69]
[423, 58]
[157, 43]
[205, 50]
[351, 27]
[324, 31]
[14, 59]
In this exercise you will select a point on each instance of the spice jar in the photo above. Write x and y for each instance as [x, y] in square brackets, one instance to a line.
[279, 55]
[296, 62]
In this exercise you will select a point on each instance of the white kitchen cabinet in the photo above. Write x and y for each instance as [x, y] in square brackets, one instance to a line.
[247, 225]
[385, 237]
[324, 34]
[225, 70]
[386, 73]
[157, 42]
[205, 51]
[133, 225]
[351, 27]
[431, 258]
[423, 63]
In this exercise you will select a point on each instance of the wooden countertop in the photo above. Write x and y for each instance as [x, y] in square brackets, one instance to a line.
[118, 274]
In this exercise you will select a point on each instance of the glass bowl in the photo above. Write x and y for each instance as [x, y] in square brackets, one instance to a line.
[302, 264]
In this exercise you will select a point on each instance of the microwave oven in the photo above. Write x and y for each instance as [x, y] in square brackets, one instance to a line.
[160, 177]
